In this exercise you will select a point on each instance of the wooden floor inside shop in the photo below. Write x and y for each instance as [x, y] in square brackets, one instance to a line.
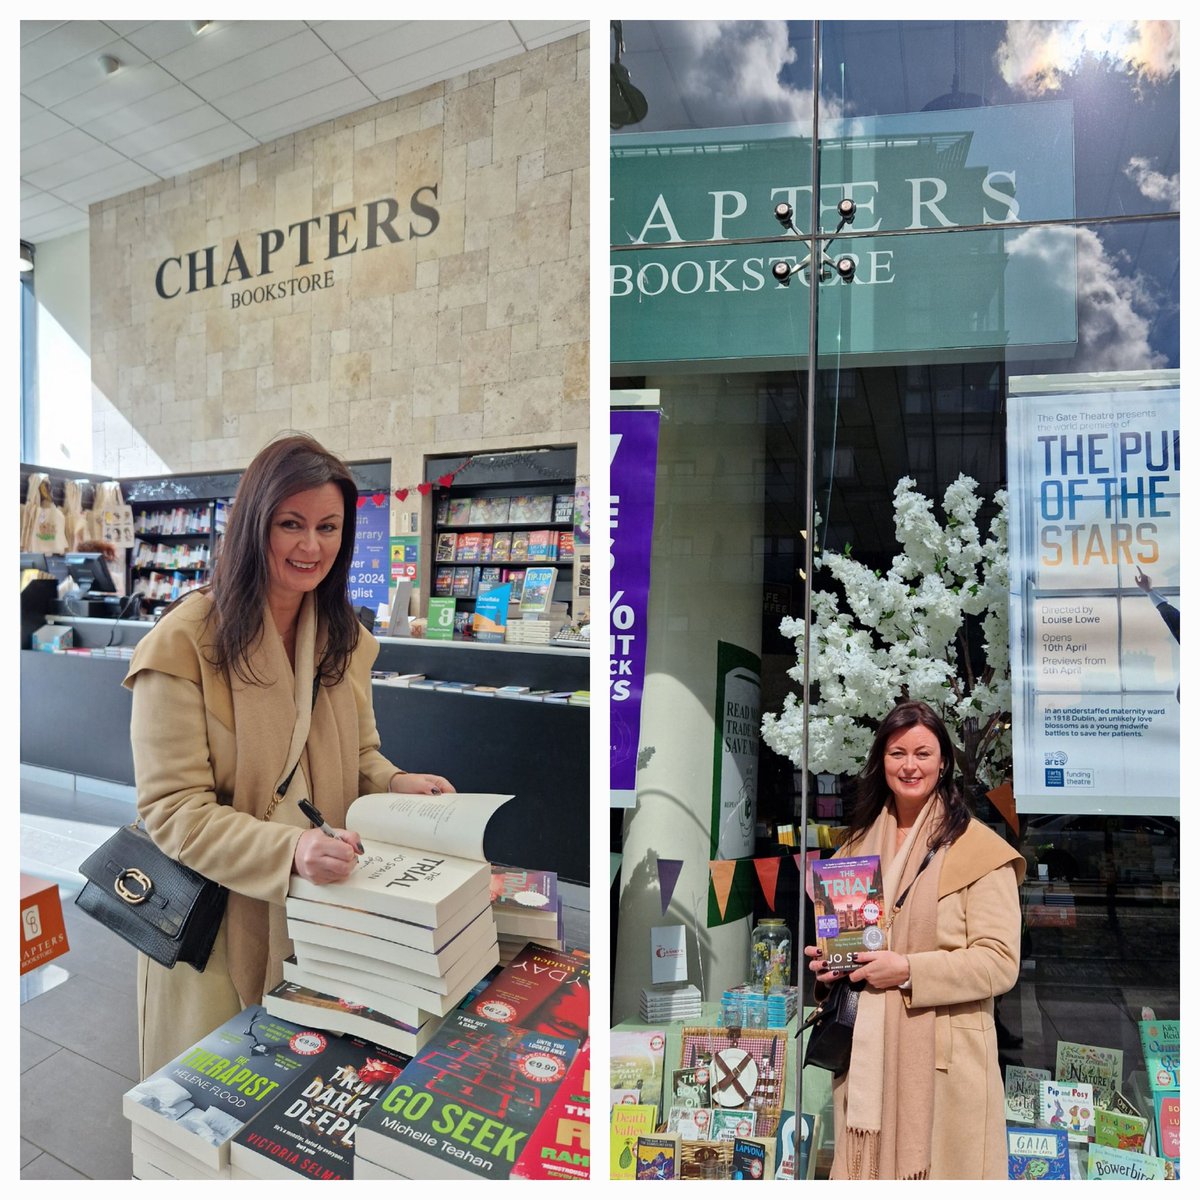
[78, 1029]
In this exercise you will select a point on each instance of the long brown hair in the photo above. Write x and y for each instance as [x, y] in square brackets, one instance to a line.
[874, 793]
[290, 464]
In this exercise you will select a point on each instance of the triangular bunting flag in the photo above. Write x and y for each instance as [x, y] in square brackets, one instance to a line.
[668, 877]
[768, 874]
[722, 876]
[1006, 805]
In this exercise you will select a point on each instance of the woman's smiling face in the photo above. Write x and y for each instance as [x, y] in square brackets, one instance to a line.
[912, 765]
[306, 535]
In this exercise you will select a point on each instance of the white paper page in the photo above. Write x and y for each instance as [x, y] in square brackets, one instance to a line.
[452, 824]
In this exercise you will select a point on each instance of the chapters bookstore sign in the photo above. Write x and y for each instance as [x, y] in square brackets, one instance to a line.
[256, 258]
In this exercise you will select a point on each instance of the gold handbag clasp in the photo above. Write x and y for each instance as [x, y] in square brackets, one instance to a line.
[141, 889]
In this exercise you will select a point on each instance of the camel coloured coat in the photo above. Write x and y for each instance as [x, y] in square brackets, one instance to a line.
[977, 958]
[205, 804]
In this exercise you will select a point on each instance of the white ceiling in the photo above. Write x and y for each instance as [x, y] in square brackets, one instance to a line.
[182, 100]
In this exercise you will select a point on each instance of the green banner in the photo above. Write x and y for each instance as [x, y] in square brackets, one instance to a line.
[948, 296]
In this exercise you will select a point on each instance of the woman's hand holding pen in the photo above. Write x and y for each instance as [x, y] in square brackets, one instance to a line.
[322, 858]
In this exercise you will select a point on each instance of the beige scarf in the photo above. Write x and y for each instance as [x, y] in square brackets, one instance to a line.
[894, 1046]
[274, 722]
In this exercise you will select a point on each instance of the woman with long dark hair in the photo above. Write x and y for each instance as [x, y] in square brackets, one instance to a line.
[248, 696]
[923, 1097]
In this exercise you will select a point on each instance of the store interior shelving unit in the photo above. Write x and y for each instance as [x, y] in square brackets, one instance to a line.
[542, 477]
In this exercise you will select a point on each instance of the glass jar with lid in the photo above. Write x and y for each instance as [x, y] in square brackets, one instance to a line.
[771, 955]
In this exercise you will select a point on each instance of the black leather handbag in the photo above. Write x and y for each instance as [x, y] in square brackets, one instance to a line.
[158, 905]
[831, 1028]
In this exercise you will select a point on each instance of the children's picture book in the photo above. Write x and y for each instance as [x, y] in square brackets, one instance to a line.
[848, 906]
[530, 510]
[537, 590]
[308, 1133]
[1022, 1089]
[635, 1059]
[1037, 1154]
[459, 512]
[446, 545]
[560, 1145]
[657, 1156]
[627, 1123]
[423, 856]
[690, 1087]
[1160, 1051]
[489, 510]
[1107, 1162]
[1068, 1106]
[1166, 1124]
[1100, 1066]
[749, 1159]
[1121, 1130]
[502, 546]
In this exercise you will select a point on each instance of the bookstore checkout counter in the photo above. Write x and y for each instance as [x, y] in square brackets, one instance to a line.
[75, 718]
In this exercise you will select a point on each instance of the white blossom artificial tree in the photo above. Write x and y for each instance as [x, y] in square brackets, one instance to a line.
[907, 634]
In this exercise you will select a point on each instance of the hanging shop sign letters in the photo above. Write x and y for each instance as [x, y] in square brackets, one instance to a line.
[906, 172]
[318, 240]
[738, 716]
[633, 445]
[1094, 482]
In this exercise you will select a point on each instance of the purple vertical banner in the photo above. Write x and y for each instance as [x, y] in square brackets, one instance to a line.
[633, 454]
[370, 568]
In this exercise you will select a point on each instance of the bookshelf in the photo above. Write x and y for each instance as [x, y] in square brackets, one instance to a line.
[505, 513]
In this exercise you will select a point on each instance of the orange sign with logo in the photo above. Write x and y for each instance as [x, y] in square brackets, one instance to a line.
[43, 935]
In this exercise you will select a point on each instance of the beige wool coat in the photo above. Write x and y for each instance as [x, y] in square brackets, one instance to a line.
[185, 750]
[977, 958]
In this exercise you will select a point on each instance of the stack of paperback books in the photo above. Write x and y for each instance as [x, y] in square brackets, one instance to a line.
[527, 908]
[474, 1102]
[670, 1002]
[410, 931]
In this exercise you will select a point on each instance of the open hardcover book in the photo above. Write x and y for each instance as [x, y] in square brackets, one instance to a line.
[425, 857]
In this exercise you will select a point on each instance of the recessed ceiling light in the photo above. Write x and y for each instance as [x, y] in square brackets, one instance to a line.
[108, 64]
[198, 27]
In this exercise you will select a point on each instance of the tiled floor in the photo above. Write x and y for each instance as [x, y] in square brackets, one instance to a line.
[79, 1038]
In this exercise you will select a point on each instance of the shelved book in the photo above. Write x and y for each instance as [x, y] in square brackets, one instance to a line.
[489, 510]
[446, 545]
[560, 1146]
[459, 511]
[307, 1006]
[847, 904]
[309, 1131]
[1038, 1154]
[530, 509]
[465, 1106]
[202, 1098]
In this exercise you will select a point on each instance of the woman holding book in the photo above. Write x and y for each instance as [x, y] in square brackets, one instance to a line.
[249, 696]
[923, 1098]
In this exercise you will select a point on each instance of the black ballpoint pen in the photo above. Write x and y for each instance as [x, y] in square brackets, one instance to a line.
[313, 813]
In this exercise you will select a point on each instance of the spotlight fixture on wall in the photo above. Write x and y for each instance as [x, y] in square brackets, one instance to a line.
[844, 265]
[26, 257]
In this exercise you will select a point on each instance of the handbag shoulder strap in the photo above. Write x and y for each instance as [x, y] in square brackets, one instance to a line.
[924, 863]
[281, 790]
